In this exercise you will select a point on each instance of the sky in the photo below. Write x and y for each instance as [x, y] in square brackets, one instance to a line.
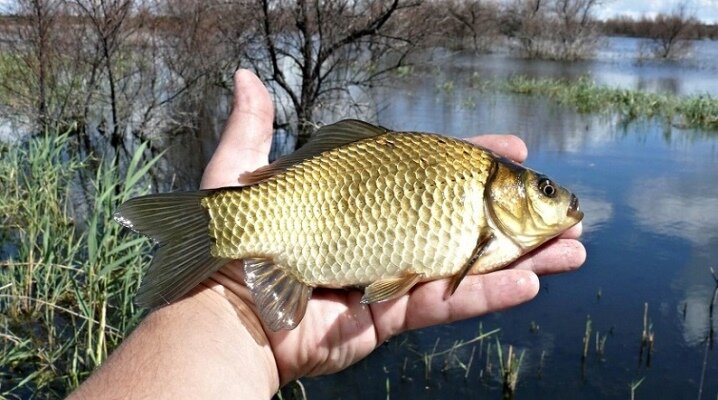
[704, 10]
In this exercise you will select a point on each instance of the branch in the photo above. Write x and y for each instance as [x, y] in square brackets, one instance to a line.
[372, 27]
[277, 74]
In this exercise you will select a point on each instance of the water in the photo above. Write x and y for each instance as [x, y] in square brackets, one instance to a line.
[651, 232]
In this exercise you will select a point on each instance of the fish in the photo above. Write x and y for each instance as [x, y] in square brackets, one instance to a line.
[359, 206]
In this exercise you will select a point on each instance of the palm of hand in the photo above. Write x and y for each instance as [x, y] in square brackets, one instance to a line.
[337, 329]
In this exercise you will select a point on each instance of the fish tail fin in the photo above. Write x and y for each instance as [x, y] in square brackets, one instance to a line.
[180, 225]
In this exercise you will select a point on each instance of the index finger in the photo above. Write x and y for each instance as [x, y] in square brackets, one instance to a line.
[509, 146]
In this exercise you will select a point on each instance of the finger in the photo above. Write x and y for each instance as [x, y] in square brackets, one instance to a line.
[561, 255]
[574, 232]
[509, 146]
[476, 295]
[247, 136]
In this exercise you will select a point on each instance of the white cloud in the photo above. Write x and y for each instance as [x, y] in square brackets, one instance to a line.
[596, 209]
[674, 207]
[705, 10]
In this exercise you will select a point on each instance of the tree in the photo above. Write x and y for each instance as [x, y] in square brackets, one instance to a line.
[478, 20]
[331, 46]
[576, 35]
[553, 29]
[671, 34]
[30, 74]
[109, 20]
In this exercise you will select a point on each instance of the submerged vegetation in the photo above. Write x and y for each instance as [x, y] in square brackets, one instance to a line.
[589, 97]
[66, 282]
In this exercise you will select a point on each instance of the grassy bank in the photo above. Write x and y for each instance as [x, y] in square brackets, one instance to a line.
[699, 112]
[65, 281]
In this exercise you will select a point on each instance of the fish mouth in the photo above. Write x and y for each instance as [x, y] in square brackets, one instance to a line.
[573, 209]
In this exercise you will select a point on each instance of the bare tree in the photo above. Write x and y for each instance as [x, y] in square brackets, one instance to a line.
[108, 20]
[478, 20]
[553, 29]
[671, 34]
[576, 35]
[201, 44]
[331, 46]
[528, 21]
[30, 76]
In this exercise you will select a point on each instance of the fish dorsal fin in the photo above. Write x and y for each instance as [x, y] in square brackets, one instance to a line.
[326, 138]
[280, 297]
[391, 288]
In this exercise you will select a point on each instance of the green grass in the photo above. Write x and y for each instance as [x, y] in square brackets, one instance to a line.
[65, 281]
[586, 96]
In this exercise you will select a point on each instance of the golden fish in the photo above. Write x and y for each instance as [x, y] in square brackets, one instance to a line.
[359, 205]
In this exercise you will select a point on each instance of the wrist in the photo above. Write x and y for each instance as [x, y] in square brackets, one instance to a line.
[199, 347]
[239, 341]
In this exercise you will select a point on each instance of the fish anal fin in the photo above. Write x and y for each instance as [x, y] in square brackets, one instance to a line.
[280, 297]
[327, 138]
[485, 238]
[391, 288]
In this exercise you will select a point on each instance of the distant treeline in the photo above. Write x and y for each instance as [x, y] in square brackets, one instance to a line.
[651, 27]
[117, 72]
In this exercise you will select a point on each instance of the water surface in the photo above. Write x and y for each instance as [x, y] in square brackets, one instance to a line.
[651, 232]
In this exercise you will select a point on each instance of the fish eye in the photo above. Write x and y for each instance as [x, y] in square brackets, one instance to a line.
[546, 187]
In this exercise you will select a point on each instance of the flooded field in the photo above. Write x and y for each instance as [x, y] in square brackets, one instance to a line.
[651, 232]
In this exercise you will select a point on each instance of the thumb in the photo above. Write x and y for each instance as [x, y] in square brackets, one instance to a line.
[247, 137]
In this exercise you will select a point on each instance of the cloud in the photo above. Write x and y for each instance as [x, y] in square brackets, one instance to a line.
[596, 209]
[705, 10]
[676, 207]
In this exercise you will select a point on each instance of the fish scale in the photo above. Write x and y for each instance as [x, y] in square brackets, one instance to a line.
[382, 208]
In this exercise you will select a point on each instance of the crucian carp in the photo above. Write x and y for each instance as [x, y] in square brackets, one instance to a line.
[358, 206]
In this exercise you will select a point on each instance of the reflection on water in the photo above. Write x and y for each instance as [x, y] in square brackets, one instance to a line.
[615, 65]
[696, 304]
[597, 210]
[660, 84]
[686, 208]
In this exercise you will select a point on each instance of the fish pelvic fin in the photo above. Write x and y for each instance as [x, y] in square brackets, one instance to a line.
[485, 238]
[180, 226]
[391, 288]
[281, 298]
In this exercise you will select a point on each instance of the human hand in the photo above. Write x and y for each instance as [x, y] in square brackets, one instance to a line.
[337, 330]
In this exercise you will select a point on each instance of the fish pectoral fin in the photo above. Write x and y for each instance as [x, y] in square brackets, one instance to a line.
[327, 138]
[281, 298]
[485, 238]
[388, 289]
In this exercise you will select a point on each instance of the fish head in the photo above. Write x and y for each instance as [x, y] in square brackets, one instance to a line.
[529, 207]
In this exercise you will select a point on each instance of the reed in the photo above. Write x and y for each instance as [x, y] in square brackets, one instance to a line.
[634, 385]
[711, 333]
[534, 327]
[450, 357]
[509, 368]
[700, 111]
[586, 338]
[67, 274]
[647, 338]
[601, 345]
